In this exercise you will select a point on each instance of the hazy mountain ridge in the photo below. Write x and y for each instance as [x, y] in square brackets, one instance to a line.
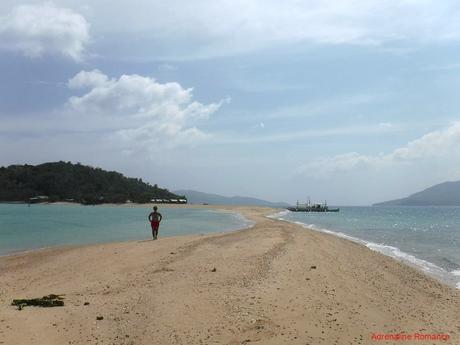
[195, 197]
[443, 194]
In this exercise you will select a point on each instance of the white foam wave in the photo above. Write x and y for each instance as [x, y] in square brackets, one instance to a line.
[335, 233]
[279, 215]
[394, 252]
[424, 265]
[245, 222]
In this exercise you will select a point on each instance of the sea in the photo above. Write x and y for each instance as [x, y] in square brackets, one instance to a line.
[427, 238]
[24, 228]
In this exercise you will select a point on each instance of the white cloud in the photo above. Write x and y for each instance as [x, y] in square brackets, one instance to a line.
[37, 30]
[86, 79]
[386, 125]
[142, 113]
[310, 134]
[442, 144]
[166, 67]
[224, 27]
[324, 167]
[328, 106]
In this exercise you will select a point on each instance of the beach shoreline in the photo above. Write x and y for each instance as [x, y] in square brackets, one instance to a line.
[274, 283]
[61, 224]
[427, 267]
[433, 270]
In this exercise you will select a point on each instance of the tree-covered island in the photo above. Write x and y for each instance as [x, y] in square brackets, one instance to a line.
[64, 181]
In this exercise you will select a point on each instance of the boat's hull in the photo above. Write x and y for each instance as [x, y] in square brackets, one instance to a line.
[313, 209]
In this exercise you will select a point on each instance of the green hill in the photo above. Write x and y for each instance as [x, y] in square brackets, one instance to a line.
[443, 194]
[61, 181]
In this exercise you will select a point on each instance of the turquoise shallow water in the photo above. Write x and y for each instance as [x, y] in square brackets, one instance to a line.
[24, 228]
[425, 237]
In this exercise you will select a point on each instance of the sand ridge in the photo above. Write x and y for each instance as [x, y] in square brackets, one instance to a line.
[275, 283]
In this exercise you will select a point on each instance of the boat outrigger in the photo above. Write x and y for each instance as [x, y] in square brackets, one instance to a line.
[309, 207]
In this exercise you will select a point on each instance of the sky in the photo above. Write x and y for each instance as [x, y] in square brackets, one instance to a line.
[353, 101]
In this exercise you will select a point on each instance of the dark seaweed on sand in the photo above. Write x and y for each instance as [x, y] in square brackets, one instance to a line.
[44, 302]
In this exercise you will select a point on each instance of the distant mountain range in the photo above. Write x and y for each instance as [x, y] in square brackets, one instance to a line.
[195, 197]
[443, 194]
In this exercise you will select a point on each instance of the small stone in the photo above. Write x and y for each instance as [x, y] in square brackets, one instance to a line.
[99, 318]
[313, 267]
[214, 269]
[86, 303]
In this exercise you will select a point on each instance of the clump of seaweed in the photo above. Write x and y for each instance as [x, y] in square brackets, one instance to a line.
[44, 302]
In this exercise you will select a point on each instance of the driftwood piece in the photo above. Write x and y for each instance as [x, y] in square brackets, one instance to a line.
[44, 302]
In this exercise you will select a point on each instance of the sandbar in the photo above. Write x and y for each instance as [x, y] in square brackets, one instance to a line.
[274, 283]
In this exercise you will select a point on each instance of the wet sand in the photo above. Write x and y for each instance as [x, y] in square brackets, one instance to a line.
[276, 283]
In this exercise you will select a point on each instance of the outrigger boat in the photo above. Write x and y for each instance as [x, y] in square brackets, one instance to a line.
[315, 207]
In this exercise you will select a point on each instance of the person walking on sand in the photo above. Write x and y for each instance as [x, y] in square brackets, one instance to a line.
[155, 218]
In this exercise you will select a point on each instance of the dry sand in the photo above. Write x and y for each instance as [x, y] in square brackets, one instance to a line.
[275, 283]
